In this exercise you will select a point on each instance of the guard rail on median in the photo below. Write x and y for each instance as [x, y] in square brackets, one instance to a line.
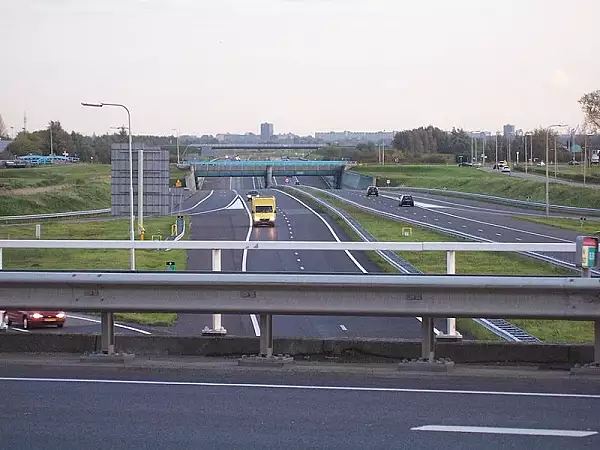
[91, 212]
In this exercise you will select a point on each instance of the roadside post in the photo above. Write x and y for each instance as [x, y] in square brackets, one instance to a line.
[170, 265]
[586, 258]
[38, 231]
[217, 326]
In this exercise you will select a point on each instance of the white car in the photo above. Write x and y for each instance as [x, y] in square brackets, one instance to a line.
[505, 169]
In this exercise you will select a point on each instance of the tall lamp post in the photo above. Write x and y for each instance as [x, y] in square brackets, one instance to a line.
[177, 131]
[547, 175]
[131, 212]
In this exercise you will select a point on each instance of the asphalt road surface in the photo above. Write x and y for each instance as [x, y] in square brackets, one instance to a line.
[96, 408]
[217, 218]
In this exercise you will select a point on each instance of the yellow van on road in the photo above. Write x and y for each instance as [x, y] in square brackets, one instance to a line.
[264, 211]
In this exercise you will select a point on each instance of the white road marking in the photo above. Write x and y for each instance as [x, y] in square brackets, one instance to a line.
[343, 327]
[87, 319]
[335, 236]
[499, 430]
[231, 183]
[253, 183]
[498, 234]
[480, 230]
[237, 204]
[464, 226]
[253, 318]
[518, 239]
[19, 329]
[199, 203]
[296, 253]
[298, 260]
[305, 387]
[301, 267]
[210, 211]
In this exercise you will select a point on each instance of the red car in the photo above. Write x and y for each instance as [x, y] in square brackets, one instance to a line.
[30, 319]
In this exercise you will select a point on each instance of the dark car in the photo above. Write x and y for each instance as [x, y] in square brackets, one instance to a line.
[372, 190]
[573, 163]
[251, 194]
[30, 319]
[406, 200]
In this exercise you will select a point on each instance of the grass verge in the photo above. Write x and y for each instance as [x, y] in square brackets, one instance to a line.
[467, 179]
[41, 259]
[584, 227]
[475, 263]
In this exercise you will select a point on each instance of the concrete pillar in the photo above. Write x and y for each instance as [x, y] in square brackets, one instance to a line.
[269, 177]
[266, 335]
[107, 320]
[428, 339]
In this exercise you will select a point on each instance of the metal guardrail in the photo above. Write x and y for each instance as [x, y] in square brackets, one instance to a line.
[508, 201]
[499, 327]
[91, 212]
[304, 294]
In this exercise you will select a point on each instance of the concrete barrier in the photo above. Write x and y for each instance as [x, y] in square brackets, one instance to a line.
[365, 349]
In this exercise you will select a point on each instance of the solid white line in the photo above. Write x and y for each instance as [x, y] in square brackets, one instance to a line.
[343, 327]
[200, 202]
[253, 318]
[87, 319]
[20, 329]
[253, 183]
[305, 387]
[231, 183]
[217, 209]
[335, 236]
[499, 430]
[275, 181]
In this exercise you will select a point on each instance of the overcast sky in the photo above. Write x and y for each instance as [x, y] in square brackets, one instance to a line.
[209, 67]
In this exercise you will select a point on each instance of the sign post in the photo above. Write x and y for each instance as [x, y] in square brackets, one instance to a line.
[170, 265]
[586, 254]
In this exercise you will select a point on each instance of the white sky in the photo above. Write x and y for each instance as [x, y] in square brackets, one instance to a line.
[209, 66]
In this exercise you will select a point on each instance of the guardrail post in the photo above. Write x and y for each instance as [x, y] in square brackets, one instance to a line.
[597, 341]
[266, 335]
[428, 342]
[0, 258]
[451, 332]
[217, 326]
[108, 333]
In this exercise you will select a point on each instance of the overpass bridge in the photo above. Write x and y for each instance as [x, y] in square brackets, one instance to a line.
[269, 169]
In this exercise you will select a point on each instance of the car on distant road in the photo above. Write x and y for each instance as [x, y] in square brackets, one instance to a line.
[372, 190]
[406, 200]
[251, 194]
[30, 319]
[573, 163]
[505, 169]
[465, 164]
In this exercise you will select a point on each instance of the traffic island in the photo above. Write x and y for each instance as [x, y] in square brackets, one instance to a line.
[443, 365]
[265, 361]
[119, 358]
[591, 369]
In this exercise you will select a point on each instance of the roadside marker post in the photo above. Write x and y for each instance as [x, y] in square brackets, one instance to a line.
[217, 326]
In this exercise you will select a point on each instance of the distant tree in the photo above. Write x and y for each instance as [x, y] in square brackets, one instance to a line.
[3, 130]
[590, 104]
[26, 143]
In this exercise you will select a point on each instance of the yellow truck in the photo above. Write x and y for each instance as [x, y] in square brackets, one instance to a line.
[264, 211]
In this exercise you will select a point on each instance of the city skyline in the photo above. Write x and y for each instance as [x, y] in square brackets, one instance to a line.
[231, 73]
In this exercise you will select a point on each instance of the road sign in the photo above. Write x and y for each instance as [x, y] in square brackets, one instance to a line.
[587, 252]
[287, 180]
[388, 182]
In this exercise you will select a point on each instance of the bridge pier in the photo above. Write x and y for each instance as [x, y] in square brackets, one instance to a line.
[269, 177]
[337, 179]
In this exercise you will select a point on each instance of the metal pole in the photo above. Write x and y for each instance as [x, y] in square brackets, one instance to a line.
[217, 326]
[131, 212]
[178, 159]
[427, 346]
[547, 181]
[108, 333]
[51, 144]
[266, 335]
[496, 151]
[525, 147]
[555, 160]
[140, 189]
[585, 158]
[451, 270]
[531, 148]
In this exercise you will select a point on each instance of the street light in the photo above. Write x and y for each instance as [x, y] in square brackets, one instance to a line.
[177, 131]
[131, 212]
[525, 145]
[547, 175]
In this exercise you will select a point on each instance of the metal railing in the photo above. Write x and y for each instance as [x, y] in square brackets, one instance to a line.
[268, 294]
[92, 212]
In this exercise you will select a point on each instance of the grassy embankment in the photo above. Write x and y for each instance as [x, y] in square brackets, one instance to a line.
[468, 179]
[476, 263]
[41, 259]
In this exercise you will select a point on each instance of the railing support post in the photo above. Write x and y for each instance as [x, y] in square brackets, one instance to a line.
[108, 333]
[597, 341]
[451, 332]
[266, 335]
[217, 326]
[428, 339]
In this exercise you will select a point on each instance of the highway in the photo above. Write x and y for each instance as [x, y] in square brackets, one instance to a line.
[478, 220]
[75, 408]
[217, 216]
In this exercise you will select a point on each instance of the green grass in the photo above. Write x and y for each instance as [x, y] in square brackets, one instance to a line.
[475, 263]
[587, 226]
[41, 259]
[566, 172]
[468, 179]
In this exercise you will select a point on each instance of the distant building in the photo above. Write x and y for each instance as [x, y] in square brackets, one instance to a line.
[266, 131]
[509, 130]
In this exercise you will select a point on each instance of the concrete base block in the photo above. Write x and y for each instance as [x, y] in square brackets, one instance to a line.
[210, 332]
[108, 358]
[263, 361]
[592, 369]
[420, 365]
